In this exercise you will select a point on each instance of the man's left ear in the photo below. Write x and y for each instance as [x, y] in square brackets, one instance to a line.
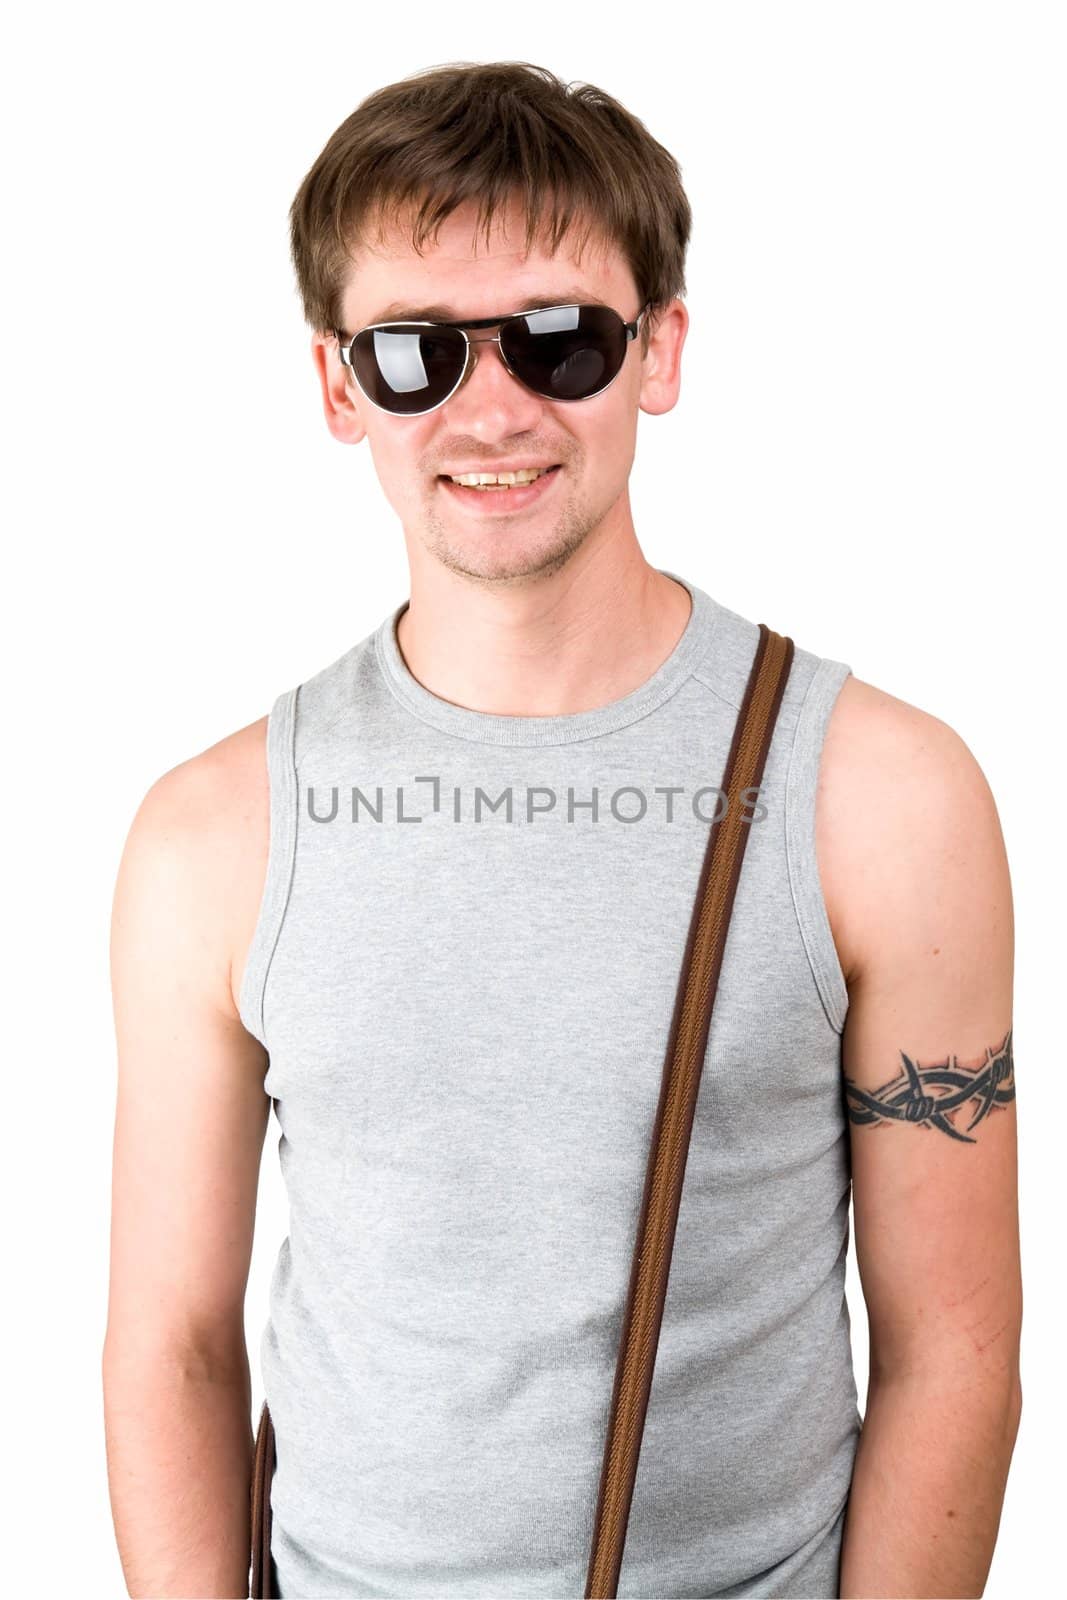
[661, 368]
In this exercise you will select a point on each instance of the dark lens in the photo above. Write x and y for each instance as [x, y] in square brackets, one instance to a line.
[567, 352]
[407, 369]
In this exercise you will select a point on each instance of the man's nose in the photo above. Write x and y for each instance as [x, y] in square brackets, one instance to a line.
[491, 401]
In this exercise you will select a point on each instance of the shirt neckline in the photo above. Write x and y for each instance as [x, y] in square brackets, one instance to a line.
[490, 727]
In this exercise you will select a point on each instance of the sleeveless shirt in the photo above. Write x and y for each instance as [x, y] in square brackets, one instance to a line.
[463, 971]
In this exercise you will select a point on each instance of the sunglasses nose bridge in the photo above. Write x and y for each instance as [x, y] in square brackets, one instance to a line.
[472, 357]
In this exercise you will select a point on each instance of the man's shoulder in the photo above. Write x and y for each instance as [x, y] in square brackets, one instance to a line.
[869, 724]
[903, 808]
[212, 791]
[879, 746]
[199, 842]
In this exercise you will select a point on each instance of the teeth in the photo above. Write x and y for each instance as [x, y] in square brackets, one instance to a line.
[478, 480]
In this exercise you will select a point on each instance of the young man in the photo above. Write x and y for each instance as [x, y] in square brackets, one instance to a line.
[434, 909]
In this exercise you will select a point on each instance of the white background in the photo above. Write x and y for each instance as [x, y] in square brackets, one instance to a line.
[868, 454]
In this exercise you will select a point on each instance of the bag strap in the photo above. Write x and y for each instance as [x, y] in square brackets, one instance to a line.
[673, 1126]
[260, 1585]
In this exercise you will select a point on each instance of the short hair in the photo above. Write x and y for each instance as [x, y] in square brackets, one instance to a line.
[491, 132]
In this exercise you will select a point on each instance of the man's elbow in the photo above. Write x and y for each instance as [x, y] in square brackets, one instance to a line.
[175, 1353]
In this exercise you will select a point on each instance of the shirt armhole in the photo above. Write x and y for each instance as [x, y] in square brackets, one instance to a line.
[804, 882]
[281, 777]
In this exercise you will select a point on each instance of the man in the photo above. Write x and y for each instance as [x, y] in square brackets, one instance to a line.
[434, 908]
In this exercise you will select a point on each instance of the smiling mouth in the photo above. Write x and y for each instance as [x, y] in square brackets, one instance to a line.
[468, 480]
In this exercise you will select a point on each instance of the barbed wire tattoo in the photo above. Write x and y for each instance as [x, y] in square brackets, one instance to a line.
[907, 1097]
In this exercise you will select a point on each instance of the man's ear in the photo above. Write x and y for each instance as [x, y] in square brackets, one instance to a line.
[341, 400]
[661, 366]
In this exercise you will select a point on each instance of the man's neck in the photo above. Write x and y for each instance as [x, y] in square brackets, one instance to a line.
[579, 639]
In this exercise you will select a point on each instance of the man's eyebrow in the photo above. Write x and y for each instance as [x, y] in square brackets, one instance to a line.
[399, 312]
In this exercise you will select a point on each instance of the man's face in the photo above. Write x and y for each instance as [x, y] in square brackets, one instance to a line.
[493, 422]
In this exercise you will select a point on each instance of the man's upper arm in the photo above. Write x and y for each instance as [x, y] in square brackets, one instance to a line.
[191, 1113]
[917, 880]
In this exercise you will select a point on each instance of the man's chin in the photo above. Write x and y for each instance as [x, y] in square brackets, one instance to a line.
[491, 558]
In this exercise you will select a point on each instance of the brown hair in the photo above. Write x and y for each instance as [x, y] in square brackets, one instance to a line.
[490, 132]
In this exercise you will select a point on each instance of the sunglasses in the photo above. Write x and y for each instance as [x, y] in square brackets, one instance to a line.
[558, 352]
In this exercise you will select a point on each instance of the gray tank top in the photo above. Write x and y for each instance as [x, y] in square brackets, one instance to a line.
[463, 971]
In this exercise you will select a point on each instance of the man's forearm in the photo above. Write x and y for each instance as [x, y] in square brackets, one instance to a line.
[179, 1456]
[928, 1486]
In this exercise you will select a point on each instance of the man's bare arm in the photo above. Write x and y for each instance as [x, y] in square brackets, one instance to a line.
[918, 880]
[190, 1122]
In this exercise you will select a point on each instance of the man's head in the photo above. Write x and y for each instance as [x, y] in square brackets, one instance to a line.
[474, 191]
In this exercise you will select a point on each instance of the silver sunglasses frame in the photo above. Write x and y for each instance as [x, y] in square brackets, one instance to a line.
[345, 342]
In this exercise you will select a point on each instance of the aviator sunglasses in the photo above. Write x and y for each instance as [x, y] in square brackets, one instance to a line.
[559, 352]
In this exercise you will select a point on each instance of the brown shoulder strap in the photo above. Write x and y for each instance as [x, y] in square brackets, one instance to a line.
[677, 1104]
[260, 1585]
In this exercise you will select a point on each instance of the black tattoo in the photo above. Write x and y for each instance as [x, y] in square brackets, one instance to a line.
[906, 1097]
